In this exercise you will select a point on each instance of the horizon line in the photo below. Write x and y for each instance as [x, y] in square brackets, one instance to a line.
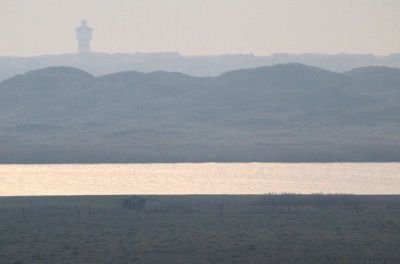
[202, 55]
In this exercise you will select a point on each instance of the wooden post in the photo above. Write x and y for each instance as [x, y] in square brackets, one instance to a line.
[23, 214]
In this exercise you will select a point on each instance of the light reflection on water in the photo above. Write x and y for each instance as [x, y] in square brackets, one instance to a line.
[205, 178]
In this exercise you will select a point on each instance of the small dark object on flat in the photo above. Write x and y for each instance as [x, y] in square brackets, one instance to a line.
[134, 202]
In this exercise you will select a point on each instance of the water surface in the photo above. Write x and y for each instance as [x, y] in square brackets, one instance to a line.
[206, 178]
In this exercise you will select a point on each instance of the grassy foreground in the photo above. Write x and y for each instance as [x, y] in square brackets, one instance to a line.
[201, 229]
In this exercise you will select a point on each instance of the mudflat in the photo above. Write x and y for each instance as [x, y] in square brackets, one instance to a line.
[200, 229]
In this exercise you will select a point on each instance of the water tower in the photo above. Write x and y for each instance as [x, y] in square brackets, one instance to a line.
[84, 36]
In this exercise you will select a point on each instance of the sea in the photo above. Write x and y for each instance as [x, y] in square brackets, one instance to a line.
[199, 178]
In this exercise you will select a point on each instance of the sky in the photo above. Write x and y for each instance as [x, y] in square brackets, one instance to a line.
[202, 27]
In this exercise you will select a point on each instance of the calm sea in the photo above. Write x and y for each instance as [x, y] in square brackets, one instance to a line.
[206, 178]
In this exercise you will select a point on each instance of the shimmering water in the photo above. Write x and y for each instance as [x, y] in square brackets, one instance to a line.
[206, 178]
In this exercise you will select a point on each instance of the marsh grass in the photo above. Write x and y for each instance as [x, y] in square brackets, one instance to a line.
[193, 229]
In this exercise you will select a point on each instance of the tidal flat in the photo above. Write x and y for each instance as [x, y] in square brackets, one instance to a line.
[200, 229]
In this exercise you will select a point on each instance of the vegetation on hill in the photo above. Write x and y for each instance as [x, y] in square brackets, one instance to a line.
[287, 112]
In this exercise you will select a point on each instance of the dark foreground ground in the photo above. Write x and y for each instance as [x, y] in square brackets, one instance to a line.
[201, 229]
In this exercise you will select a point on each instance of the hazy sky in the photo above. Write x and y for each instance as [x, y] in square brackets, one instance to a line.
[194, 27]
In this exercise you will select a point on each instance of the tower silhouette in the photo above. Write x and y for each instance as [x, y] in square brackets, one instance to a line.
[84, 36]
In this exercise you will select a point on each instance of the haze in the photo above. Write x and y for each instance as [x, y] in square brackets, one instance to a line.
[200, 27]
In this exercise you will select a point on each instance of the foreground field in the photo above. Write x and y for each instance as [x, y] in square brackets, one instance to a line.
[201, 229]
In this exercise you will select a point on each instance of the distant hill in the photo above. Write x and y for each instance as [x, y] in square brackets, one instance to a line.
[286, 112]
[373, 77]
[101, 63]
